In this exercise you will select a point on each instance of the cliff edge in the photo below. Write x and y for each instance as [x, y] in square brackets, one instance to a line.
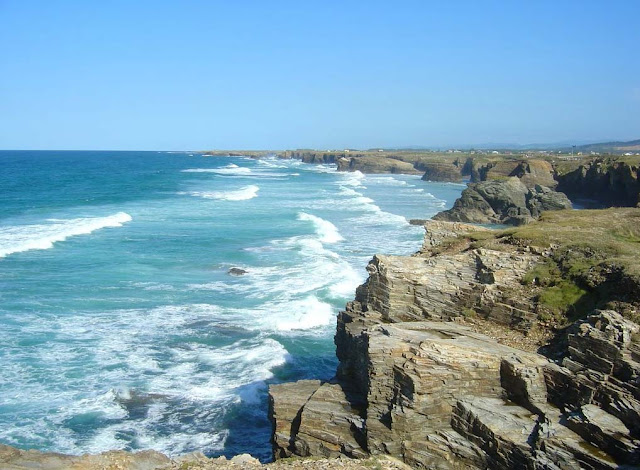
[440, 361]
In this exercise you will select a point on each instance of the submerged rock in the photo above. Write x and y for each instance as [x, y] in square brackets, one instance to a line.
[236, 271]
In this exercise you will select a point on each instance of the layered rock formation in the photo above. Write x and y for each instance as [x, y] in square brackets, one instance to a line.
[416, 382]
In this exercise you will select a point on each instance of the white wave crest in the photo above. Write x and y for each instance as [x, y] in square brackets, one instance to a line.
[16, 239]
[327, 232]
[230, 169]
[353, 178]
[306, 314]
[242, 194]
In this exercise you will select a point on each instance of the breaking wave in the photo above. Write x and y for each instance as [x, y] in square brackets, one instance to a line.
[16, 239]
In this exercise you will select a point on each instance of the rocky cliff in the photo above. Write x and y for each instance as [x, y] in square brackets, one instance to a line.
[373, 164]
[507, 192]
[612, 181]
[507, 201]
[418, 379]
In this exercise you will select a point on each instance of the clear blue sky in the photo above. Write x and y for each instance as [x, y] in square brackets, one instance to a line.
[331, 74]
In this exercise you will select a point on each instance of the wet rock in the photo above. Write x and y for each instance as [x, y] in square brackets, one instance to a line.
[236, 271]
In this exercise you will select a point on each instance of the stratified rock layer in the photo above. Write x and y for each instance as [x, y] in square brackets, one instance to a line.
[416, 383]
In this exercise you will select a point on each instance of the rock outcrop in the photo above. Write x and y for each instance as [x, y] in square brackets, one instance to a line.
[507, 201]
[442, 171]
[611, 181]
[415, 381]
[531, 172]
[373, 164]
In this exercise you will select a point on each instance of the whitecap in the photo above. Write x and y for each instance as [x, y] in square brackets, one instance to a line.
[353, 178]
[19, 238]
[230, 169]
[327, 232]
[306, 314]
[242, 194]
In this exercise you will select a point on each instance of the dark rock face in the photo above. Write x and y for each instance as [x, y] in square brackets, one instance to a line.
[236, 271]
[503, 202]
[608, 181]
[415, 383]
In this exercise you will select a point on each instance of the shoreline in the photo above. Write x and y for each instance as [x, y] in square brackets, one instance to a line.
[428, 239]
[358, 265]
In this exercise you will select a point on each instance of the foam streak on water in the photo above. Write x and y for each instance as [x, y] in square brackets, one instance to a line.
[15, 239]
[121, 326]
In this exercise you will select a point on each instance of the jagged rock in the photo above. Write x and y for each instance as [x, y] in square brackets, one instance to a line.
[530, 172]
[542, 198]
[439, 395]
[534, 173]
[507, 201]
[606, 180]
[416, 288]
[313, 419]
[437, 232]
[285, 403]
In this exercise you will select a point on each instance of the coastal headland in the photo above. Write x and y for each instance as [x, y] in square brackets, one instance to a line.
[504, 187]
[489, 348]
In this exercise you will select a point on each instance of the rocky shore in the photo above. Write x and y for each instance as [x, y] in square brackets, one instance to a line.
[512, 349]
[418, 381]
[503, 189]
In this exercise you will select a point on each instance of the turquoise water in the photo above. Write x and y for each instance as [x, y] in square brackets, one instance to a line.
[120, 326]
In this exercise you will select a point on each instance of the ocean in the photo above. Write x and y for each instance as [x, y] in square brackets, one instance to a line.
[120, 324]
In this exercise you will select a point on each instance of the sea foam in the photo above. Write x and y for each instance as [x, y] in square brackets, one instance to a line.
[16, 239]
[242, 194]
[327, 232]
[230, 169]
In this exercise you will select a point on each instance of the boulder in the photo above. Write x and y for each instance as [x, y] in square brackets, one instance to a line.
[507, 201]
[236, 271]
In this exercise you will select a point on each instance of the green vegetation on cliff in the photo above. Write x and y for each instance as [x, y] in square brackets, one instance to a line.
[592, 261]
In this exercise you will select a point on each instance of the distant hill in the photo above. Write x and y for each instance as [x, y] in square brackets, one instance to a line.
[616, 147]
[610, 147]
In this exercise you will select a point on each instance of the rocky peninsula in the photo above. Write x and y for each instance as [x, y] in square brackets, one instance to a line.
[510, 189]
[486, 349]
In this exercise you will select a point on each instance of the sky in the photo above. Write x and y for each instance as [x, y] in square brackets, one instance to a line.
[177, 75]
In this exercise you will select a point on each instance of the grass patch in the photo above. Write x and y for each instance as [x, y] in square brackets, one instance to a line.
[544, 274]
[589, 253]
[561, 297]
